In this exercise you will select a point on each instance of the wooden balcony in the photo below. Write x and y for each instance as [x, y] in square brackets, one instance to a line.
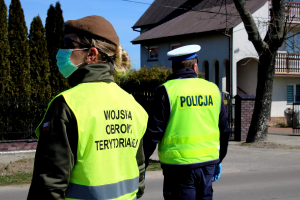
[292, 11]
[288, 64]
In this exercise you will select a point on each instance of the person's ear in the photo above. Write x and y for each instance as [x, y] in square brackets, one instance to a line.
[92, 56]
[195, 67]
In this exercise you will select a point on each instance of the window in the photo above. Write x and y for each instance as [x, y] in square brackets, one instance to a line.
[290, 94]
[292, 43]
[175, 46]
[293, 93]
[153, 53]
[217, 73]
[205, 67]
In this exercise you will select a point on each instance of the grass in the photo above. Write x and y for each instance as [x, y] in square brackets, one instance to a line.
[15, 179]
[154, 166]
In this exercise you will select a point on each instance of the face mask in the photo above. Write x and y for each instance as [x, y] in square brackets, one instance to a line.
[64, 64]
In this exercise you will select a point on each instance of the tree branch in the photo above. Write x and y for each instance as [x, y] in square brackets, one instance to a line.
[276, 32]
[250, 26]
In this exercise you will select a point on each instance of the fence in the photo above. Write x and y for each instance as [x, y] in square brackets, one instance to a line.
[19, 118]
[230, 110]
[288, 62]
[292, 10]
[296, 118]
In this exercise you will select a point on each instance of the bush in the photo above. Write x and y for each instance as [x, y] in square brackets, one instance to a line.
[281, 125]
[144, 79]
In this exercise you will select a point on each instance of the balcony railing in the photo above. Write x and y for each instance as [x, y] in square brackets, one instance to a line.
[288, 63]
[292, 10]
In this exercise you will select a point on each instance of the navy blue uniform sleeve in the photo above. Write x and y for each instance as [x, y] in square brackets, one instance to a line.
[224, 131]
[157, 123]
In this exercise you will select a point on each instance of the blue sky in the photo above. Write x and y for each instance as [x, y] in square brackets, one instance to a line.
[121, 14]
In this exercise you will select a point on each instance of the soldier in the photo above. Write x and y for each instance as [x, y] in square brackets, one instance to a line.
[90, 138]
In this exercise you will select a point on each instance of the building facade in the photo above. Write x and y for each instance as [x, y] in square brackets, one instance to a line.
[226, 57]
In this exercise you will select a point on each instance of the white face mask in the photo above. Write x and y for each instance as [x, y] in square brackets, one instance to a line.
[64, 64]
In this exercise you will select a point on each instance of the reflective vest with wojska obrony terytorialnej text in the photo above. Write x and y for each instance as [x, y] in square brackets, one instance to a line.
[192, 134]
[111, 125]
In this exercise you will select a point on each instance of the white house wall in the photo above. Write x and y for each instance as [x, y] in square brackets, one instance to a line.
[279, 101]
[247, 76]
[213, 48]
[242, 47]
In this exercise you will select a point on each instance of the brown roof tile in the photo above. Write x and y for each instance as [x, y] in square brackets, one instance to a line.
[206, 18]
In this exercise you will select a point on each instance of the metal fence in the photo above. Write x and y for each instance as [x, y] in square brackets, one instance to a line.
[296, 118]
[19, 118]
[230, 110]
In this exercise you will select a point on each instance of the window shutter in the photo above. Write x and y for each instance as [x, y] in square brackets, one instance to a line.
[297, 93]
[290, 94]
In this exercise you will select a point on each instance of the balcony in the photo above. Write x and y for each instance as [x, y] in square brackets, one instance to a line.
[292, 10]
[288, 64]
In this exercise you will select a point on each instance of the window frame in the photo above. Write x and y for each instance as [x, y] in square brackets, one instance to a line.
[171, 45]
[294, 93]
[175, 44]
[149, 52]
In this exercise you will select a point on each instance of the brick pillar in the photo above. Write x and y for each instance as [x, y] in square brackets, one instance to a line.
[244, 107]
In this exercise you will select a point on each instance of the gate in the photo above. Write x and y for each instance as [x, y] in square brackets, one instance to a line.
[296, 118]
[230, 110]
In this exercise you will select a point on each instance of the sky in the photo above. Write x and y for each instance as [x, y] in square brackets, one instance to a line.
[121, 14]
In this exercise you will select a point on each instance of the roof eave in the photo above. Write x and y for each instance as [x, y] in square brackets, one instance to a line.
[219, 31]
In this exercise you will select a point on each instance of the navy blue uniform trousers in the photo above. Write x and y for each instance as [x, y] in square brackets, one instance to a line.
[188, 184]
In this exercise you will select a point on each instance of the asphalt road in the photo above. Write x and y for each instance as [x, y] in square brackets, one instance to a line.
[248, 174]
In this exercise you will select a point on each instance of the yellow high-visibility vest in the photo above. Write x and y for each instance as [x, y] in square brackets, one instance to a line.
[111, 125]
[192, 134]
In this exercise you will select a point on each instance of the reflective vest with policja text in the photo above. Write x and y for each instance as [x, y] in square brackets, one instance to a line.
[192, 134]
[110, 126]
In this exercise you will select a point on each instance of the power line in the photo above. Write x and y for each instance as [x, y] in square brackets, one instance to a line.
[204, 11]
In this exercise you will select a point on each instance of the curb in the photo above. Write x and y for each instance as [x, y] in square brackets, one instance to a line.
[16, 152]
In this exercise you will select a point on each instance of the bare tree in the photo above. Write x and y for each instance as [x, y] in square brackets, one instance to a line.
[267, 52]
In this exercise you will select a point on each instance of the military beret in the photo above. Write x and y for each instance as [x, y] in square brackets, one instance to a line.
[92, 26]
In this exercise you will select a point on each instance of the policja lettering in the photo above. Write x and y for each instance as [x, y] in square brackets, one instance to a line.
[195, 101]
[116, 143]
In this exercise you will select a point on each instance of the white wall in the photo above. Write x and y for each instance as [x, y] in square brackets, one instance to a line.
[213, 47]
[247, 76]
[279, 103]
[242, 47]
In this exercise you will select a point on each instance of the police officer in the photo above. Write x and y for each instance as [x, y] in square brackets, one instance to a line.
[190, 125]
[90, 138]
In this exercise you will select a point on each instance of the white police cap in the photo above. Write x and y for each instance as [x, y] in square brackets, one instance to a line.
[184, 53]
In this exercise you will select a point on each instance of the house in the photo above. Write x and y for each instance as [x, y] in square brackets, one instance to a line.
[226, 57]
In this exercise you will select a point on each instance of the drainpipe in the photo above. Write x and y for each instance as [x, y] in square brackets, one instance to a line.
[230, 62]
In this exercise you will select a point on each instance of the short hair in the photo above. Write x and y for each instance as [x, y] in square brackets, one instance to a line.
[184, 64]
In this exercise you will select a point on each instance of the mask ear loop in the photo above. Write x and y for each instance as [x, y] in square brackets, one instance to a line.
[80, 50]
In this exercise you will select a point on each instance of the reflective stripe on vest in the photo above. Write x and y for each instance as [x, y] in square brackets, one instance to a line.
[192, 134]
[110, 191]
[110, 126]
